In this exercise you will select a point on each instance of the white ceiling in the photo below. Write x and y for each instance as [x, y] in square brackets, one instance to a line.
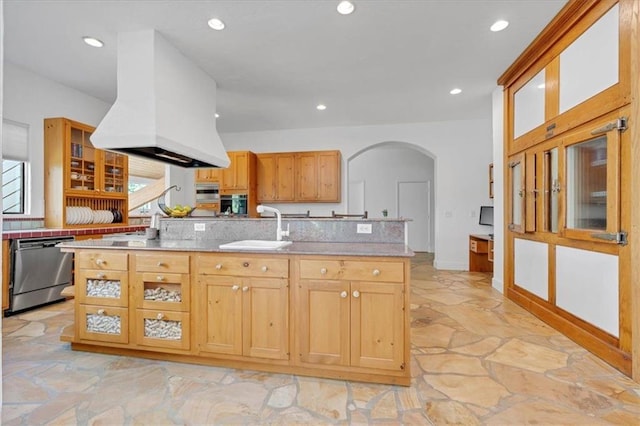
[392, 61]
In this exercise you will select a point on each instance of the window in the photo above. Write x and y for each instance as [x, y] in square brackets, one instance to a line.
[15, 154]
[12, 187]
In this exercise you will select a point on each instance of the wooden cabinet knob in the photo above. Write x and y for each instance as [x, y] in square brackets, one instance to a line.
[100, 261]
[245, 264]
[160, 278]
[245, 288]
[219, 266]
[101, 275]
[323, 271]
[160, 315]
[101, 312]
[160, 264]
[265, 268]
[235, 288]
[344, 294]
[376, 272]
[356, 294]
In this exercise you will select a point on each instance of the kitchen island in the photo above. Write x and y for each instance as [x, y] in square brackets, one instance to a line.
[325, 309]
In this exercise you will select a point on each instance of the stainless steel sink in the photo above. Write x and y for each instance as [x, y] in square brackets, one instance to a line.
[254, 245]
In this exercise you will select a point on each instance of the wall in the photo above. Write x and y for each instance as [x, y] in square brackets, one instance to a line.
[462, 151]
[402, 164]
[29, 98]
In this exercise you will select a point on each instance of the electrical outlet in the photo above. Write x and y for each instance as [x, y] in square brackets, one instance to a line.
[364, 228]
[199, 226]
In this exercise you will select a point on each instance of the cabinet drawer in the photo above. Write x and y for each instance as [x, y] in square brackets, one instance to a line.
[477, 246]
[162, 291]
[103, 323]
[162, 329]
[102, 260]
[352, 270]
[162, 263]
[102, 287]
[243, 266]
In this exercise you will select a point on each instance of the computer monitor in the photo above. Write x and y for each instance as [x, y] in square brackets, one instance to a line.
[486, 215]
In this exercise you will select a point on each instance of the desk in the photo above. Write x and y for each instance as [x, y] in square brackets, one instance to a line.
[480, 253]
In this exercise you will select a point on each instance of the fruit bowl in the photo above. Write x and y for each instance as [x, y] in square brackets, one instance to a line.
[177, 210]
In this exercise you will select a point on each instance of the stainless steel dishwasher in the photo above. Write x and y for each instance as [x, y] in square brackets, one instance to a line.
[39, 272]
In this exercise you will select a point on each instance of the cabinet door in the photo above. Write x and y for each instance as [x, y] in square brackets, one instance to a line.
[241, 170]
[285, 177]
[113, 173]
[220, 302]
[83, 160]
[102, 287]
[266, 176]
[103, 323]
[162, 291]
[328, 179]
[162, 329]
[377, 328]
[307, 169]
[265, 320]
[323, 319]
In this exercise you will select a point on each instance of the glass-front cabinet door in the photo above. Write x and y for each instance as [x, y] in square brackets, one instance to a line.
[82, 161]
[592, 177]
[517, 193]
[114, 173]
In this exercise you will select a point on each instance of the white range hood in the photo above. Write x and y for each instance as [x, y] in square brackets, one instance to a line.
[165, 108]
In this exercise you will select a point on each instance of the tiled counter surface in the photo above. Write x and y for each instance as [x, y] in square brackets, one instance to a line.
[296, 248]
[50, 232]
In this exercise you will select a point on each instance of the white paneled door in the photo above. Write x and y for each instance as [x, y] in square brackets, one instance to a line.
[413, 203]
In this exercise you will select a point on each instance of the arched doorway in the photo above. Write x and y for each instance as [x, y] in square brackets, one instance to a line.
[397, 177]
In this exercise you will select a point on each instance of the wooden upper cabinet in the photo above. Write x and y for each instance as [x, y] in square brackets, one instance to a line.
[79, 175]
[319, 176]
[276, 177]
[208, 175]
[237, 175]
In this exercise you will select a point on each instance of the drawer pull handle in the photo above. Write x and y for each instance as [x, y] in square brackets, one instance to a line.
[245, 264]
[376, 272]
[219, 266]
[100, 262]
[344, 294]
[323, 271]
[160, 264]
[356, 294]
[160, 315]
[265, 268]
[101, 275]
[160, 278]
[101, 312]
[245, 288]
[235, 288]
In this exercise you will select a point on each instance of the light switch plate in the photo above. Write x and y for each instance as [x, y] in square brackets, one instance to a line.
[199, 226]
[363, 228]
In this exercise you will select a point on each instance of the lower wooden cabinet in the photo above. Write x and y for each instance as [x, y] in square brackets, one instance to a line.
[244, 316]
[359, 324]
[102, 323]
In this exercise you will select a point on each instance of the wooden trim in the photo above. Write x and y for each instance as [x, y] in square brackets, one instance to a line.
[552, 89]
[608, 352]
[563, 22]
[631, 253]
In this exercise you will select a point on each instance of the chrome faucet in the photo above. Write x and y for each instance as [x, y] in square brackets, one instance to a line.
[279, 231]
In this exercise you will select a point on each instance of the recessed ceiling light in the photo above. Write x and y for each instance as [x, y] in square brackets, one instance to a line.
[321, 107]
[499, 25]
[216, 24]
[346, 7]
[217, 115]
[93, 42]
[455, 91]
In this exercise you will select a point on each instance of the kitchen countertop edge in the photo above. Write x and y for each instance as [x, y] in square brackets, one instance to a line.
[296, 248]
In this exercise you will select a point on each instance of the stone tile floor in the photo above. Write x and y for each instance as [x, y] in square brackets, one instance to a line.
[477, 359]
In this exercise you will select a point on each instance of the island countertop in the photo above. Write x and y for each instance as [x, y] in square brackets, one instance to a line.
[296, 248]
